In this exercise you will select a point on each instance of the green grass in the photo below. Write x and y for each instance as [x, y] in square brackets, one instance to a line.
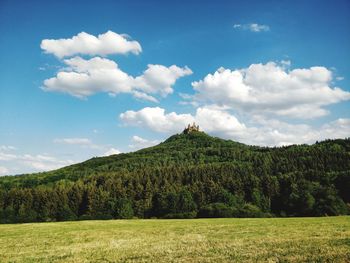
[324, 239]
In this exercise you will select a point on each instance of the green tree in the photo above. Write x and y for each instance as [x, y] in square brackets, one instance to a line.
[123, 209]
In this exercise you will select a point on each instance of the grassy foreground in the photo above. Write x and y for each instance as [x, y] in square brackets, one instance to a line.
[324, 239]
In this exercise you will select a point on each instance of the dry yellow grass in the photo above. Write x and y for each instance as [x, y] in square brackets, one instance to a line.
[199, 240]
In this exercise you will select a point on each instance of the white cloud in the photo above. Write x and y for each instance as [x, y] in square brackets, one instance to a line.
[185, 96]
[159, 79]
[82, 78]
[43, 162]
[213, 119]
[77, 141]
[274, 132]
[210, 118]
[339, 128]
[39, 162]
[83, 142]
[156, 119]
[102, 150]
[253, 27]
[3, 171]
[139, 143]
[220, 122]
[144, 96]
[271, 89]
[7, 156]
[258, 28]
[112, 151]
[286, 63]
[7, 148]
[86, 44]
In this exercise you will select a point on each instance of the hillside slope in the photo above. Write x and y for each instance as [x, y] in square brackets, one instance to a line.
[188, 175]
[178, 149]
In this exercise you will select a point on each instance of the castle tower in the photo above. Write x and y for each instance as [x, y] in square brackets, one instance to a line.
[191, 128]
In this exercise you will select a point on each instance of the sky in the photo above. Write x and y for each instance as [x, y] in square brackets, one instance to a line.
[80, 79]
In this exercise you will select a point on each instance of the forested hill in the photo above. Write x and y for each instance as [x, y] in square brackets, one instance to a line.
[188, 175]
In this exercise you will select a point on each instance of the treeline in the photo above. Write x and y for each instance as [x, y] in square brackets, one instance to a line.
[188, 176]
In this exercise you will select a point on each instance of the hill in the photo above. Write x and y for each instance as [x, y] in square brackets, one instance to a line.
[188, 175]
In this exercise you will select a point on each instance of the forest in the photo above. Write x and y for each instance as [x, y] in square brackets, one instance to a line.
[187, 176]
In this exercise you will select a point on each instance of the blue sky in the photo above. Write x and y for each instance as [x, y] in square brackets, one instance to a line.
[259, 72]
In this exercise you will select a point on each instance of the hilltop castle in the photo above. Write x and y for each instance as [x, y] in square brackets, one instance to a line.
[191, 128]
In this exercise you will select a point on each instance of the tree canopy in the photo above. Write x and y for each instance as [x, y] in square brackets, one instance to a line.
[186, 176]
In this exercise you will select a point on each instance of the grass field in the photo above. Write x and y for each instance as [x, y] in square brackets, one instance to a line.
[324, 239]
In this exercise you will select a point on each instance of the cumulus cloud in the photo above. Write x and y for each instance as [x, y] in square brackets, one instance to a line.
[86, 44]
[253, 27]
[220, 122]
[159, 79]
[274, 132]
[111, 151]
[271, 88]
[139, 143]
[156, 119]
[82, 78]
[210, 118]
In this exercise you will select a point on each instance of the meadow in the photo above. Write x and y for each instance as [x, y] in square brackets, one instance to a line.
[322, 239]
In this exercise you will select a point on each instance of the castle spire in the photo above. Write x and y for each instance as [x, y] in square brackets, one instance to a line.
[191, 128]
